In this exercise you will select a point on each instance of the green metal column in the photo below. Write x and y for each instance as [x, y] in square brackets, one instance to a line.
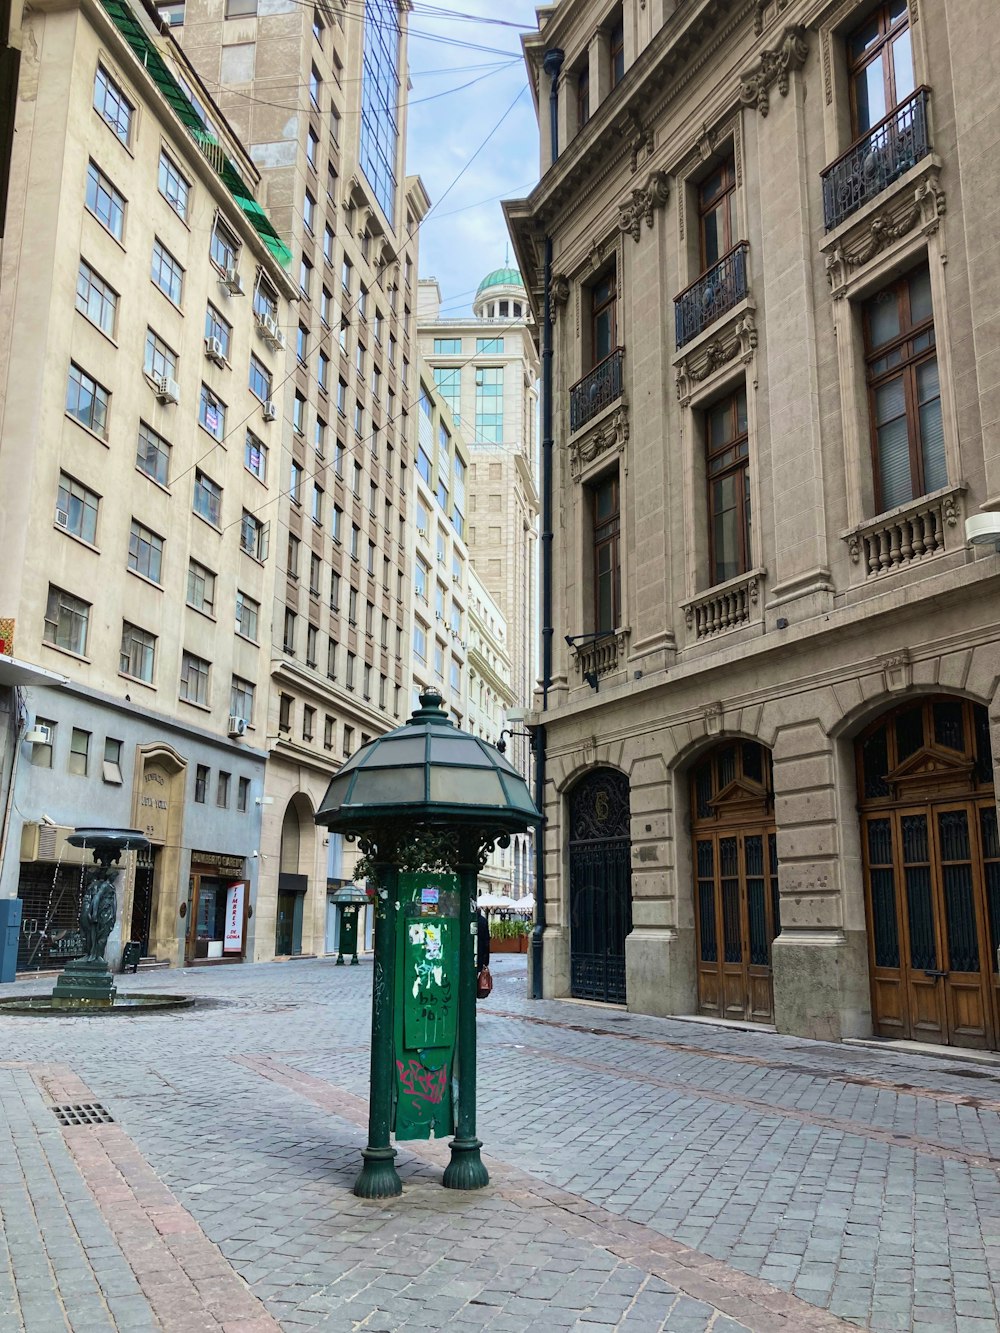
[379, 1178]
[466, 1171]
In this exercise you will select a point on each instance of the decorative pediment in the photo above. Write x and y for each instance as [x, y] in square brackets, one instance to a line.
[774, 67]
[738, 798]
[921, 207]
[737, 338]
[608, 435]
[641, 202]
[933, 769]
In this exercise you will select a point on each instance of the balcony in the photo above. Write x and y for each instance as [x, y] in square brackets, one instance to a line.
[717, 291]
[907, 535]
[601, 656]
[879, 157]
[727, 606]
[598, 389]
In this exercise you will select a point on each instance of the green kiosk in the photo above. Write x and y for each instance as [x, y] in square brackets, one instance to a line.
[426, 803]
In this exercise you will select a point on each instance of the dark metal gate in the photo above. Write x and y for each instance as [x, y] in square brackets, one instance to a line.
[142, 897]
[50, 916]
[600, 886]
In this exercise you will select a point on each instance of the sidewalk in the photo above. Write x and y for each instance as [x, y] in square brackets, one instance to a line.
[645, 1174]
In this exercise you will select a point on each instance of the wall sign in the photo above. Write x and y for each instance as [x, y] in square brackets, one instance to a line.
[232, 941]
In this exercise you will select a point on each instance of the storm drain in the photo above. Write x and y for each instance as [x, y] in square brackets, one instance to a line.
[84, 1113]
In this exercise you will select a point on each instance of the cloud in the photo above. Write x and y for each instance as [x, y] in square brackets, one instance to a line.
[465, 235]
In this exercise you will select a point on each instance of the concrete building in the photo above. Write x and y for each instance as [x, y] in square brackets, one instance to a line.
[439, 628]
[486, 369]
[139, 455]
[490, 695]
[319, 95]
[774, 261]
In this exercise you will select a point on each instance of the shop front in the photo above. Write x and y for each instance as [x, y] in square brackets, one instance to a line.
[218, 909]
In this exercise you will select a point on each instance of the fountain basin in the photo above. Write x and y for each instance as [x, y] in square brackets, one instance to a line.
[49, 1005]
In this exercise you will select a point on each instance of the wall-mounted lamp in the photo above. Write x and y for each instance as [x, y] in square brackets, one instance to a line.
[264, 800]
[573, 639]
[509, 731]
[591, 678]
[983, 530]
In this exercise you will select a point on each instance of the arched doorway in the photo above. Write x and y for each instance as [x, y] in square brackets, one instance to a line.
[932, 872]
[292, 885]
[600, 885]
[736, 880]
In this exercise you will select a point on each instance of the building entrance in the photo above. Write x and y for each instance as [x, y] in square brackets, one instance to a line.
[600, 886]
[932, 873]
[736, 881]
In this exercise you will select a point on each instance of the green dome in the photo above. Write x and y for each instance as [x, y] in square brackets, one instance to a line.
[501, 277]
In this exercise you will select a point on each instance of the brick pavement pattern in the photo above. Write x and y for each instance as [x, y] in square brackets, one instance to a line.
[645, 1174]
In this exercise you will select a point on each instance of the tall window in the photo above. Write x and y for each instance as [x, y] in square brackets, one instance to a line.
[379, 101]
[87, 401]
[224, 249]
[241, 699]
[96, 300]
[173, 185]
[247, 615]
[67, 619]
[153, 454]
[167, 273]
[606, 519]
[201, 588]
[104, 201]
[904, 392]
[194, 679]
[113, 105]
[207, 497]
[138, 653]
[145, 551]
[76, 509]
[582, 97]
[603, 321]
[717, 227]
[881, 65]
[616, 45]
[489, 404]
[727, 469]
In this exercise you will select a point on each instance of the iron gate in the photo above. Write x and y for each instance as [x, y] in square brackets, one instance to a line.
[50, 916]
[142, 897]
[600, 889]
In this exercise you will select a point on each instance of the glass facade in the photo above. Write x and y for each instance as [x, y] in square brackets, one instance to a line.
[379, 101]
[489, 404]
[448, 383]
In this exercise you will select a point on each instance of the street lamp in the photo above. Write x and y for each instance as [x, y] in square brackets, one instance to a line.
[425, 780]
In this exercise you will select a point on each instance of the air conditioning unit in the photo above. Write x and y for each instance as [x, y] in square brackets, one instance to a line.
[438, 615]
[237, 727]
[440, 557]
[47, 842]
[269, 326]
[279, 339]
[456, 578]
[62, 518]
[168, 390]
[214, 352]
[39, 735]
[421, 532]
[270, 411]
[233, 282]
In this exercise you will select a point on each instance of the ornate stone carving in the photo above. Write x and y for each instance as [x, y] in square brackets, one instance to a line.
[897, 671]
[739, 339]
[774, 66]
[854, 546]
[925, 207]
[558, 293]
[758, 13]
[712, 715]
[949, 510]
[641, 202]
[611, 433]
[638, 137]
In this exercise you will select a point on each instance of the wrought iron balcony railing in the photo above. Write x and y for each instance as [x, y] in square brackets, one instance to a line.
[874, 161]
[715, 292]
[598, 389]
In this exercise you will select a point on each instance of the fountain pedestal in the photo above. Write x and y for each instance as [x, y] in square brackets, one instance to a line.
[84, 981]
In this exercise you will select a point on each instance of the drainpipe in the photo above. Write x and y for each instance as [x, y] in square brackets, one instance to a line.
[552, 64]
[538, 732]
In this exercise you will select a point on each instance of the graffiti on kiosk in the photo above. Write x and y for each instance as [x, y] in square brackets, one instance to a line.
[423, 1085]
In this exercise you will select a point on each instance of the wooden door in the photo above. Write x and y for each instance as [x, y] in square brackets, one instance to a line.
[932, 874]
[736, 882]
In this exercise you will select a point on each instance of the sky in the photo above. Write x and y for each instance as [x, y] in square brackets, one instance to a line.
[464, 236]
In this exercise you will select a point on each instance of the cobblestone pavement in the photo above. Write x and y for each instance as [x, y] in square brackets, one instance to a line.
[646, 1174]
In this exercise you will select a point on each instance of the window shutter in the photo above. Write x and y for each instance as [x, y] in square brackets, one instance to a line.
[931, 428]
[893, 445]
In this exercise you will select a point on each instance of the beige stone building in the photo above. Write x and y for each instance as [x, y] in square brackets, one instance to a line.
[772, 740]
[318, 93]
[140, 451]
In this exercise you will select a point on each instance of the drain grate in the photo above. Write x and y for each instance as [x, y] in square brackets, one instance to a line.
[84, 1113]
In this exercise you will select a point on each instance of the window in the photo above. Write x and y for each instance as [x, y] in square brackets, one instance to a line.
[334, 591]
[207, 498]
[104, 201]
[489, 404]
[212, 413]
[218, 328]
[67, 619]
[355, 534]
[305, 276]
[87, 401]
[79, 752]
[880, 65]
[308, 722]
[352, 607]
[312, 642]
[491, 346]
[260, 380]
[323, 372]
[292, 565]
[301, 344]
[295, 483]
[371, 558]
[423, 464]
[113, 105]
[167, 273]
[328, 731]
[223, 248]
[325, 306]
[607, 567]
[315, 572]
[160, 361]
[247, 613]
[359, 419]
[243, 795]
[241, 9]
[255, 456]
[349, 678]
[299, 414]
[253, 536]
[338, 459]
[603, 318]
[317, 502]
[728, 478]
[346, 272]
[582, 98]
[76, 509]
[200, 783]
[153, 454]
[616, 49]
[367, 688]
[420, 644]
[356, 478]
[96, 300]
[200, 588]
[338, 522]
[174, 186]
[318, 27]
[328, 243]
[194, 679]
[285, 712]
[265, 301]
[904, 392]
[448, 346]
[222, 789]
[331, 659]
[138, 652]
[315, 83]
[359, 360]
[171, 12]
[241, 699]
[441, 494]
[342, 398]
[288, 638]
[717, 225]
[319, 437]
[145, 552]
[449, 385]
[112, 768]
[348, 741]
